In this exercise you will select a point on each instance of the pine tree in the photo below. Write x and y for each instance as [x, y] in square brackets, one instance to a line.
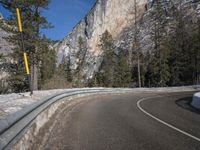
[81, 57]
[64, 70]
[122, 73]
[61, 69]
[68, 70]
[97, 80]
[194, 54]
[106, 72]
[177, 44]
[136, 45]
[17, 78]
[160, 75]
[47, 60]
[184, 53]
[59, 79]
[32, 22]
[1, 57]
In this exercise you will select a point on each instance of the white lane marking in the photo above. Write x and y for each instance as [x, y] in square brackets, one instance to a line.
[163, 122]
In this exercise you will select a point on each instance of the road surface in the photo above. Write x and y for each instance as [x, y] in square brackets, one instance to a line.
[127, 122]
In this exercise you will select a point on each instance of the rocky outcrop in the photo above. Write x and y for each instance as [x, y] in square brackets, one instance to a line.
[116, 16]
[112, 15]
[5, 47]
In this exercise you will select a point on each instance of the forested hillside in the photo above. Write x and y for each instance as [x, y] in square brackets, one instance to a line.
[157, 40]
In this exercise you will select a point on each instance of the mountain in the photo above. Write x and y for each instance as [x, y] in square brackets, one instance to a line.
[165, 37]
[116, 16]
[112, 15]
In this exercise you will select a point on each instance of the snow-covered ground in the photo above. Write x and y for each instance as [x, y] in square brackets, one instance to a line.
[196, 100]
[14, 102]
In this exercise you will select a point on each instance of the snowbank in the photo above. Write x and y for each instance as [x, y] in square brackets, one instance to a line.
[196, 100]
[11, 103]
[14, 102]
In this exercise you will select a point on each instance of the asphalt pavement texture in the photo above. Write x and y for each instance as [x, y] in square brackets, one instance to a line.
[114, 122]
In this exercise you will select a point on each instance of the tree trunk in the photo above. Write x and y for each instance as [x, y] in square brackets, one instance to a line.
[35, 79]
[139, 76]
[136, 42]
[34, 76]
[34, 67]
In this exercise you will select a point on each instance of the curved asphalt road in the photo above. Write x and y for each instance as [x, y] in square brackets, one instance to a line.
[116, 123]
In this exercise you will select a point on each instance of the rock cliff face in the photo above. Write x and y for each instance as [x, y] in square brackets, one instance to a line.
[111, 15]
[5, 49]
[4, 45]
[116, 16]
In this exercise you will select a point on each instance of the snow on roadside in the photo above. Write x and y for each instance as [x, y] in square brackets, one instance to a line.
[14, 102]
[196, 100]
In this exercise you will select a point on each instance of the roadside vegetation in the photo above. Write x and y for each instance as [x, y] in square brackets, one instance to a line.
[174, 59]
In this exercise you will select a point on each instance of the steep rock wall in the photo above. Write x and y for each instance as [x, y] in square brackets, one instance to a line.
[111, 15]
[116, 16]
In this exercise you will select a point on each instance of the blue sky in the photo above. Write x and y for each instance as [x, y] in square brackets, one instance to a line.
[64, 15]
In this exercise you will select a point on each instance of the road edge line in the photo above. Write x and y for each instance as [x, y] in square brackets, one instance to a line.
[163, 122]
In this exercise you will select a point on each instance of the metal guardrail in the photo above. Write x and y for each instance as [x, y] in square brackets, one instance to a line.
[13, 125]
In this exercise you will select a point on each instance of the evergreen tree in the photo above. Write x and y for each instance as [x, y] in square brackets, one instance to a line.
[136, 44]
[61, 70]
[194, 54]
[183, 45]
[17, 81]
[32, 22]
[61, 77]
[160, 74]
[81, 57]
[1, 58]
[97, 80]
[47, 60]
[68, 70]
[122, 75]
[109, 59]
[64, 70]
[177, 44]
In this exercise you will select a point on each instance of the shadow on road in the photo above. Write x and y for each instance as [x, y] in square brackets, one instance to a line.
[185, 103]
